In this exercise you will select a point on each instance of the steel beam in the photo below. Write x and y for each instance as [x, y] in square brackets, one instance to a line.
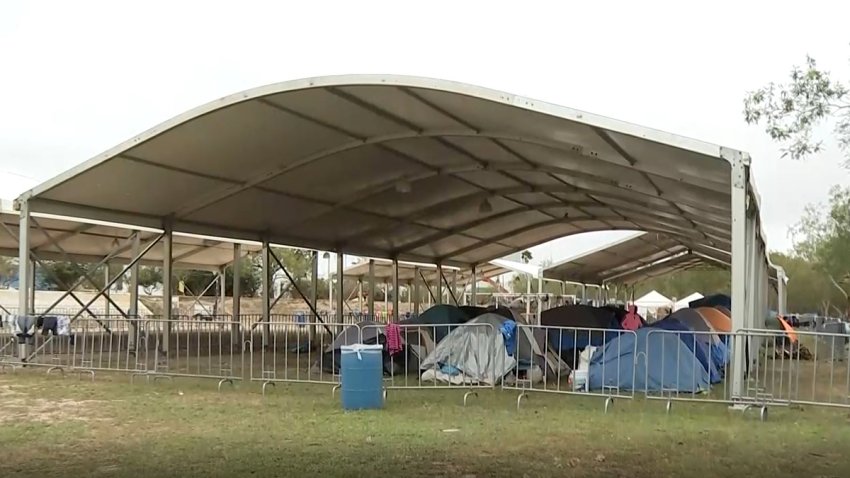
[439, 299]
[236, 292]
[372, 313]
[266, 293]
[314, 295]
[167, 277]
[474, 286]
[340, 293]
[24, 259]
[739, 270]
[417, 298]
[396, 293]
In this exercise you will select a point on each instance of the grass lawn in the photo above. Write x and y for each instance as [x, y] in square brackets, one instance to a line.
[64, 427]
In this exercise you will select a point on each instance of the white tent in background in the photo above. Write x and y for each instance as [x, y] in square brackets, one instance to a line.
[684, 302]
[649, 304]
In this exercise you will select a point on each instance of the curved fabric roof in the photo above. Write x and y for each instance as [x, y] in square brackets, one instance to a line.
[384, 270]
[638, 257]
[386, 166]
[89, 242]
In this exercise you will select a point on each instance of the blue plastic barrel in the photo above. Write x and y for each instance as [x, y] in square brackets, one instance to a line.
[362, 375]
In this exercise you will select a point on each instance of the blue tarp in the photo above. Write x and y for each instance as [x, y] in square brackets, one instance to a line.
[646, 361]
[697, 345]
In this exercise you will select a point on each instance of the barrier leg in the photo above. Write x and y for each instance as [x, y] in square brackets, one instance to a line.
[81, 372]
[519, 399]
[225, 380]
[266, 384]
[609, 402]
[333, 390]
[56, 368]
[468, 394]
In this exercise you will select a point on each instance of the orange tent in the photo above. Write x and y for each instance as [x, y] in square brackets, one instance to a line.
[718, 320]
[788, 329]
[726, 312]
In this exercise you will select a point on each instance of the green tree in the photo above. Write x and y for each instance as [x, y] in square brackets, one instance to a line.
[808, 289]
[705, 280]
[58, 275]
[823, 238]
[526, 256]
[8, 269]
[791, 111]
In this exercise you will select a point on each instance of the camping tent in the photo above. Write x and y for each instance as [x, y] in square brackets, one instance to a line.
[685, 302]
[570, 340]
[698, 347]
[713, 301]
[472, 354]
[652, 303]
[475, 353]
[648, 360]
[719, 321]
[438, 320]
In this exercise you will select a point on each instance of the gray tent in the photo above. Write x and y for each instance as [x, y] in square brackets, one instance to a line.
[475, 353]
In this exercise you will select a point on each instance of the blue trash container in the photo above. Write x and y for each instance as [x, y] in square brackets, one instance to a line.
[362, 375]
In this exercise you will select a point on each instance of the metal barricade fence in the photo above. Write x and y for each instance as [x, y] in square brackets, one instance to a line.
[810, 369]
[291, 351]
[556, 360]
[152, 347]
[441, 356]
[685, 365]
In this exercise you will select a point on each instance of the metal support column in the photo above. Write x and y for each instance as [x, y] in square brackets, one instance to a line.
[739, 269]
[167, 273]
[395, 291]
[106, 310]
[781, 294]
[314, 296]
[439, 298]
[409, 297]
[528, 297]
[134, 295]
[417, 298]
[454, 287]
[387, 300]
[340, 293]
[24, 259]
[221, 292]
[359, 295]
[266, 293]
[539, 298]
[474, 287]
[236, 295]
[372, 314]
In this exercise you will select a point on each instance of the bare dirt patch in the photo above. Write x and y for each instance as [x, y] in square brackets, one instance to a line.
[17, 405]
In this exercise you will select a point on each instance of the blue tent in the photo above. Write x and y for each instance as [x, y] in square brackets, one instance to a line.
[647, 362]
[696, 344]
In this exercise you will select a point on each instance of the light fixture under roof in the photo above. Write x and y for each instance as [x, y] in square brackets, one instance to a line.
[485, 206]
[403, 186]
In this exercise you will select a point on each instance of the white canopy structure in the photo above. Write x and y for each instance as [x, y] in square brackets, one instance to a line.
[684, 302]
[414, 169]
[649, 304]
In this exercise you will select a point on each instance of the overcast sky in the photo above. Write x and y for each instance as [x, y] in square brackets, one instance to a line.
[80, 77]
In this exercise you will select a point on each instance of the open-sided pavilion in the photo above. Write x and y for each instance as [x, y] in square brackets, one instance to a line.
[412, 169]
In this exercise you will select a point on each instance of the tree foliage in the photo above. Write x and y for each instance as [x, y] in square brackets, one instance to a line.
[8, 270]
[791, 111]
[705, 280]
[823, 238]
